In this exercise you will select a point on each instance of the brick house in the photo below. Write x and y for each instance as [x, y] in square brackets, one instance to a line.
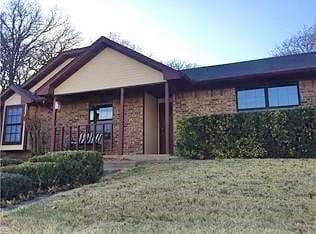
[110, 98]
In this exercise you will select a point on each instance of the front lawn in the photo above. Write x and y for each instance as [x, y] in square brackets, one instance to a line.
[235, 196]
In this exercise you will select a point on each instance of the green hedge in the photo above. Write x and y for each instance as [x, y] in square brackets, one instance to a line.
[75, 167]
[44, 174]
[9, 161]
[281, 133]
[14, 186]
[69, 168]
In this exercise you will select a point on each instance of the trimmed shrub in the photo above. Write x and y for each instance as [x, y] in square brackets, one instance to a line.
[44, 174]
[9, 161]
[69, 168]
[14, 186]
[280, 133]
[75, 167]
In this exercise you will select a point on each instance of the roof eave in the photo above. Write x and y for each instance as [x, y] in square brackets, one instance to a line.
[26, 95]
[254, 77]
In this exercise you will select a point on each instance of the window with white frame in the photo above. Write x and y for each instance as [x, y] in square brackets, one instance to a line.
[12, 128]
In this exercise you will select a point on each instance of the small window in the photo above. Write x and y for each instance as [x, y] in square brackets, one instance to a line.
[104, 113]
[268, 97]
[283, 96]
[101, 115]
[251, 99]
[12, 133]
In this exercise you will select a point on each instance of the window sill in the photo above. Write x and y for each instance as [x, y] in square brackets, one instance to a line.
[268, 109]
[9, 143]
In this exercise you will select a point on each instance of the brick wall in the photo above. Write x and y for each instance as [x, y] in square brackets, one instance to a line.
[308, 92]
[203, 102]
[116, 125]
[73, 114]
[133, 124]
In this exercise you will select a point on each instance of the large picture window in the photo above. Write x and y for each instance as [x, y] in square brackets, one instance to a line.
[268, 97]
[12, 133]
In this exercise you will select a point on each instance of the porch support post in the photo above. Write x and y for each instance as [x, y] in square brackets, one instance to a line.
[167, 117]
[121, 125]
[27, 119]
[52, 139]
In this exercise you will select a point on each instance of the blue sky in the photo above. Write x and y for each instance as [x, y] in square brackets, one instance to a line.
[205, 32]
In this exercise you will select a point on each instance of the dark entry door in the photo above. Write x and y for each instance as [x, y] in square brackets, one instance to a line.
[162, 129]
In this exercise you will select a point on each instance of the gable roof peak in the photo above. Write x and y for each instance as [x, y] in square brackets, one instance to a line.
[93, 50]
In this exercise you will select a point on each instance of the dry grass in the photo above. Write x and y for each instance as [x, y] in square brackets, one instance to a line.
[229, 196]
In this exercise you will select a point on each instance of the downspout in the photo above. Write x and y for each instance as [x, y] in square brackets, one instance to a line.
[52, 142]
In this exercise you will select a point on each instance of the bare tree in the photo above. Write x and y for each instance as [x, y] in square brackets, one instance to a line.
[180, 64]
[303, 41]
[174, 63]
[117, 37]
[29, 39]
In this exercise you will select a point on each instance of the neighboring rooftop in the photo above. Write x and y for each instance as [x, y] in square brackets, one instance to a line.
[253, 67]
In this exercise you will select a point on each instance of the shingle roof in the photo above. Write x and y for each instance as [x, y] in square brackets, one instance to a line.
[253, 67]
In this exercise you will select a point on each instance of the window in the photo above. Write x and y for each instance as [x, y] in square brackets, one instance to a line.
[251, 99]
[283, 96]
[268, 97]
[101, 115]
[12, 133]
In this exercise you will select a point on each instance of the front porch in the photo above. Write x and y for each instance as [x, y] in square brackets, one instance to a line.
[117, 123]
